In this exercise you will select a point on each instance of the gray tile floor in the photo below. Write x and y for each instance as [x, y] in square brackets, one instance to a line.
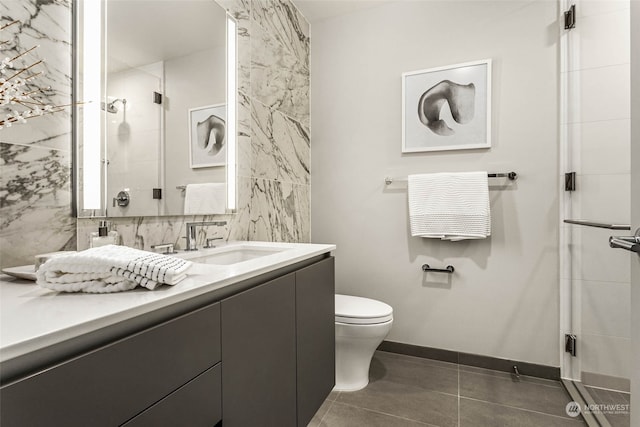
[409, 391]
[617, 418]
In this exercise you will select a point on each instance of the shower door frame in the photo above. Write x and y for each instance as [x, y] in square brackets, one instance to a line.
[570, 294]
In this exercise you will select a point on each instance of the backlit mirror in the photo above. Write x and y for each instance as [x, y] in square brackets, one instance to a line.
[156, 82]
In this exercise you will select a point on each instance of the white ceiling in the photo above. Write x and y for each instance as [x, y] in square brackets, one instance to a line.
[141, 32]
[317, 10]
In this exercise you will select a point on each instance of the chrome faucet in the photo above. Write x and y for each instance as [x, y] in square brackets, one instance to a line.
[191, 232]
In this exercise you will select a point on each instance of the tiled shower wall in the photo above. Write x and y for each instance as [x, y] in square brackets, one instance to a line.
[274, 151]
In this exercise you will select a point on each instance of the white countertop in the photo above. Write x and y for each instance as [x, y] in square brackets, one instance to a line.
[33, 318]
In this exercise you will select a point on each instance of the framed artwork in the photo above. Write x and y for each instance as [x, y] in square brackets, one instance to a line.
[207, 136]
[447, 108]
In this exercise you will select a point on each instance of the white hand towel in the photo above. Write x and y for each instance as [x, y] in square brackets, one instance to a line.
[449, 206]
[110, 268]
[205, 199]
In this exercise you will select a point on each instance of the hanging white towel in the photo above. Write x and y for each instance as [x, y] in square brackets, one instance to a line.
[449, 206]
[110, 268]
[205, 199]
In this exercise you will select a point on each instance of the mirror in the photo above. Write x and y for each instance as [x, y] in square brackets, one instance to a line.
[159, 120]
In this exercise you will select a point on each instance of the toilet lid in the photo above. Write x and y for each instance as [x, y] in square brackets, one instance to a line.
[358, 310]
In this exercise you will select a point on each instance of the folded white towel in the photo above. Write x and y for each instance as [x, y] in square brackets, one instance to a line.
[449, 206]
[205, 199]
[110, 268]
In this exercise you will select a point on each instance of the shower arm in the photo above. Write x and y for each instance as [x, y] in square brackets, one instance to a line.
[123, 100]
[111, 106]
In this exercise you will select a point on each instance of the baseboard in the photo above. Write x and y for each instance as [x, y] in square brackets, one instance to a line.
[606, 381]
[468, 359]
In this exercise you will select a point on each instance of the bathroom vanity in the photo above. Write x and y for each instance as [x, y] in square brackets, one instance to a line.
[249, 343]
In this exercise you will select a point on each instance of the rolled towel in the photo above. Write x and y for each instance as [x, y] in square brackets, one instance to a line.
[110, 268]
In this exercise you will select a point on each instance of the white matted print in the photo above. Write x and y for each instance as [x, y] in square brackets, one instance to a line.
[207, 136]
[447, 108]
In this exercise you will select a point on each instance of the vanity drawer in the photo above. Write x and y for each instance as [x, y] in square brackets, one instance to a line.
[111, 384]
[196, 404]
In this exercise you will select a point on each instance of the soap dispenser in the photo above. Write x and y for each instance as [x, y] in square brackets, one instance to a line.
[103, 236]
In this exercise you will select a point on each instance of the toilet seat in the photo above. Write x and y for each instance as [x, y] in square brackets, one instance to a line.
[361, 311]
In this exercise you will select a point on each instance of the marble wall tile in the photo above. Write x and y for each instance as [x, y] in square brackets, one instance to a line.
[280, 146]
[243, 160]
[47, 24]
[35, 203]
[279, 76]
[238, 8]
[35, 189]
[303, 199]
[286, 24]
[239, 222]
[144, 232]
[279, 211]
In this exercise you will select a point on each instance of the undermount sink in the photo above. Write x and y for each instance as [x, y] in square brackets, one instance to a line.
[235, 254]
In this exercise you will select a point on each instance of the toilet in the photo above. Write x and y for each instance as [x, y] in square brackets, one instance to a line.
[361, 325]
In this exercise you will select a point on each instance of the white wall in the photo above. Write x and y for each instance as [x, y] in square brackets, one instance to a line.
[503, 299]
[597, 125]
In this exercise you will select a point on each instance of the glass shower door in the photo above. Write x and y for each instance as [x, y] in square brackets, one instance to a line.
[596, 147]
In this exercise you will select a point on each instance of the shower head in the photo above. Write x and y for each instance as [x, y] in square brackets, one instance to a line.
[111, 107]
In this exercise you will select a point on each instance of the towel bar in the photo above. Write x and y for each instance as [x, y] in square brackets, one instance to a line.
[598, 224]
[448, 269]
[511, 175]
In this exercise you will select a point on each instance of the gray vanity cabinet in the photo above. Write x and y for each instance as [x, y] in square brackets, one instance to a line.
[112, 384]
[315, 337]
[278, 345]
[259, 356]
[196, 403]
